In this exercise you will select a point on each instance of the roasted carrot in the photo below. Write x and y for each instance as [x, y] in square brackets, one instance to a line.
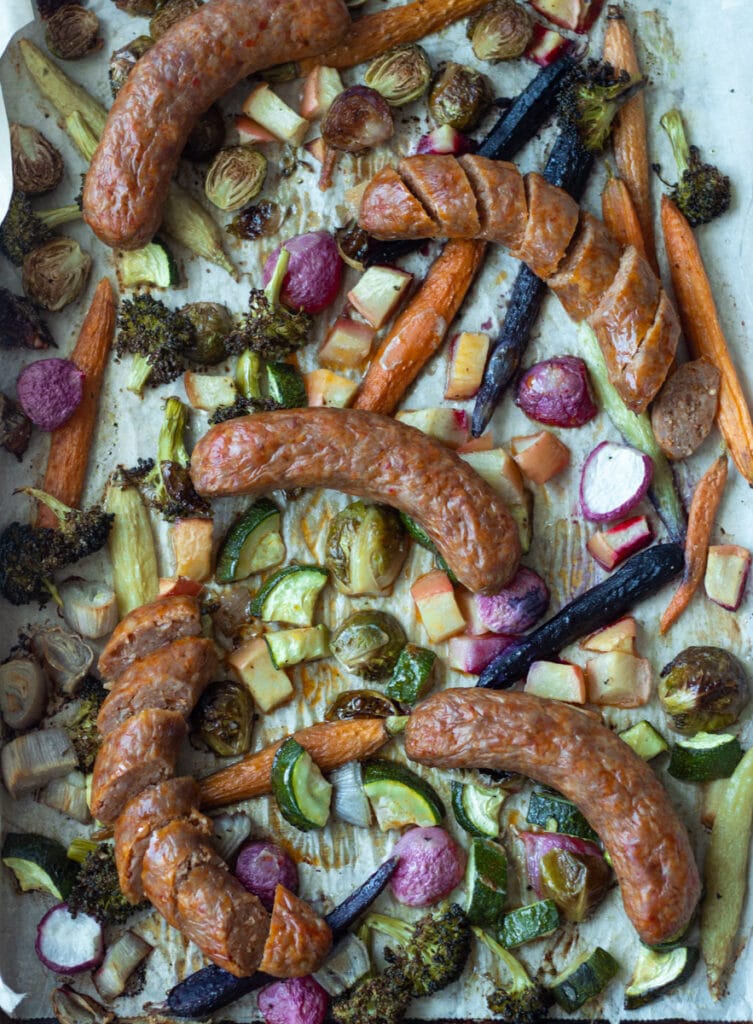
[619, 214]
[372, 34]
[419, 330]
[629, 137]
[704, 335]
[70, 444]
[703, 508]
[331, 744]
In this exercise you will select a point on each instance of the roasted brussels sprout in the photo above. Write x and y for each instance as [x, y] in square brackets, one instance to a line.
[459, 97]
[235, 177]
[206, 137]
[138, 8]
[576, 883]
[56, 273]
[37, 165]
[360, 704]
[703, 689]
[224, 718]
[501, 31]
[400, 75]
[358, 120]
[368, 644]
[212, 323]
[72, 32]
[168, 12]
[366, 548]
[123, 61]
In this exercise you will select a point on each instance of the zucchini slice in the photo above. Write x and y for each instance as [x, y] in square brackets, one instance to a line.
[290, 595]
[39, 863]
[253, 543]
[656, 974]
[644, 739]
[292, 646]
[302, 793]
[555, 813]
[476, 808]
[422, 538]
[584, 979]
[525, 924]
[153, 264]
[486, 884]
[413, 675]
[285, 385]
[400, 797]
[704, 757]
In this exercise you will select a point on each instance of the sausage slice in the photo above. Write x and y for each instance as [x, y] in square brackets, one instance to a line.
[390, 210]
[644, 375]
[148, 627]
[440, 184]
[500, 199]
[299, 940]
[683, 414]
[172, 852]
[588, 269]
[552, 220]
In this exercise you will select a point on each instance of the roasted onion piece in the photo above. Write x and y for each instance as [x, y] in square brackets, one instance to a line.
[358, 120]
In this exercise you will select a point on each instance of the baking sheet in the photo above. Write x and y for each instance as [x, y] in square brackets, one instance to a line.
[696, 55]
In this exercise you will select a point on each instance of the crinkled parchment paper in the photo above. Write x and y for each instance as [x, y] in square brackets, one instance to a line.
[697, 56]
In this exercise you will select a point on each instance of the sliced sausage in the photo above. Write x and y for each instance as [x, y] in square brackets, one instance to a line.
[395, 211]
[440, 185]
[552, 220]
[189, 68]
[372, 456]
[173, 678]
[500, 199]
[140, 752]
[683, 414]
[149, 810]
[588, 269]
[648, 369]
[172, 852]
[617, 792]
[146, 628]
[299, 940]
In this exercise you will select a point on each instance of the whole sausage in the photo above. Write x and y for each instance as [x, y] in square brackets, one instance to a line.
[617, 792]
[372, 456]
[196, 62]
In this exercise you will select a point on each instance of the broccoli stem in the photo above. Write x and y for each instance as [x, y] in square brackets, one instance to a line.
[248, 374]
[672, 124]
[59, 508]
[171, 443]
[63, 215]
[520, 978]
[393, 927]
[141, 370]
[274, 287]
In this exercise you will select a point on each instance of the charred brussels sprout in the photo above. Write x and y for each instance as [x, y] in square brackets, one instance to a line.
[56, 273]
[368, 644]
[138, 8]
[235, 177]
[366, 548]
[400, 75]
[358, 120]
[360, 704]
[459, 97]
[37, 165]
[72, 32]
[703, 689]
[224, 718]
[168, 12]
[206, 137]
[123, 61]
[501, 31]
[212, 323]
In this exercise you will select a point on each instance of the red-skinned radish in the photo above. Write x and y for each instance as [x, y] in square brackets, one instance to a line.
[50, 391]
[614, 480]
[537, 844]
[314, 272]
[430, 865]
[557, 392]
[68, 944]
[293, 1001]
[515, 608]
[261, 866]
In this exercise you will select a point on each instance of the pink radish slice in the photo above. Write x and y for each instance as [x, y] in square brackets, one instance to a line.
[293, 1001]
[50, 391]
[68, 944]
[615, 478]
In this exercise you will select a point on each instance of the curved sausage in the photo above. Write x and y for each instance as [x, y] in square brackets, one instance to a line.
[375, 457]
[299, 940]
[147, 628]
[200, 59]
[617, 792]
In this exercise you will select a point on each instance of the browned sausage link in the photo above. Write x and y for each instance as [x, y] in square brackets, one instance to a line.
[372, 456]
[146, 629]
[563, 748]
[195, 63]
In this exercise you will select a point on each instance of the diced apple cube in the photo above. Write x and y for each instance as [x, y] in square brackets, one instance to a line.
[619, 636]
[450, 426]
[208, 391]
[472, 654]
[612, 546]
[484, 443]
[320, 88]
[727, 570]
[540, 456]
[435, 602]
[252, 131]
[192, 547]
[378, 293]
[546, 46]
[556, 681]
[317, 148]
[466, 366]
[474, 625]
[323, 387]
[269, 686]
[575, 15]
[272, 113]
[619, 680]
[348, 343]
[501, 473]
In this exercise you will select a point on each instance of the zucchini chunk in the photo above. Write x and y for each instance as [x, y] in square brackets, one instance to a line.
[555, 813]
[253, 543]
[153, 264]
[644, 739]
[400, 797]
[39, 863]
[292, 646]
[476, 808]
[301, 791]
[290, 595]
[413, 675]
[525, 924]
[586, 978]
[656, 974]
[286, 386]
[704, 757]
[486, 884]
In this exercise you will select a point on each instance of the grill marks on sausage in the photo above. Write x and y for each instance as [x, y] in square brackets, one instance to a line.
[147, 629]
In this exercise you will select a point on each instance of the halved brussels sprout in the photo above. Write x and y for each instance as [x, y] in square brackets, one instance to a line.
[37, 164]
[459, 97]
[56, 273]
[212, 323]
[368, 643]
[235, 177]
[224, 718]
[168, 12]
[501, 31]
[366, 548]
[400, 75]
[360, 704]
[72, 32]
[703, 689]
[123, 61]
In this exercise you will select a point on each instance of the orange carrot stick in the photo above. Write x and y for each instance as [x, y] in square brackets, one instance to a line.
[619, 214]
[704, 335]
[70, 444]
[419, 330]
[703, 510]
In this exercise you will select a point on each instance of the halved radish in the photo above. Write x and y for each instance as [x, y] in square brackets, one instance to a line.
[615, 478]
[68, 944]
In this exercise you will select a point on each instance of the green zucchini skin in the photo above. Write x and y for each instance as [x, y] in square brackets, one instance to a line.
[641, 576]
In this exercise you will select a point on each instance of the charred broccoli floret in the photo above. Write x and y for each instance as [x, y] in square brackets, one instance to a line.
[30, 555]
[269, 328]
[248, 374]
[382, 999]
[157, 337]
[96, 890]
[83, 727]
[243, 407]
[593, 94]
[25, 229]
[434, 950]
[522, 1000]
[702, 191]
[166, 483]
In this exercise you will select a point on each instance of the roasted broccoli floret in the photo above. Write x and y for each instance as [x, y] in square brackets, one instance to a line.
[25, 229]
[30, 555]
[434, 950]
[382, 999]
[157, 337]
[702, 191]
[20, 323]
[96, 890]
[522, 1000]
[166, 483]
[590, 99]
[243, 407]
[269, 328]
[83, 727]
